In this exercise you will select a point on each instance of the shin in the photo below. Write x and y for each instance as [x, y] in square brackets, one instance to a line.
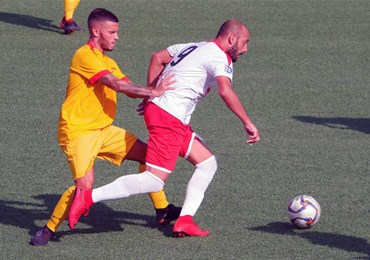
[198, 184]
[128, 185]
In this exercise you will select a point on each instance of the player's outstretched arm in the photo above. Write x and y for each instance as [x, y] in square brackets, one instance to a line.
[233, 102]
[137, 91]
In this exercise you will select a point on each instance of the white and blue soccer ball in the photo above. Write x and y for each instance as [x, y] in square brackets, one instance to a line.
[304, 211]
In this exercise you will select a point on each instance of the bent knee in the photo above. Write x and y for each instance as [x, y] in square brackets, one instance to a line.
[209, 165]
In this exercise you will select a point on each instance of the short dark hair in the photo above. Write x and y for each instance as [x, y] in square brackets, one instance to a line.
[101, 14]
[230, 26]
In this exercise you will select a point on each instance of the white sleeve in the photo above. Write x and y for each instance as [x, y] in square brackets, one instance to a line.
[219, 67]
[173, 49]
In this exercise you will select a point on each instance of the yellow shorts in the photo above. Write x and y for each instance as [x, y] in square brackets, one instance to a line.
[111, 143]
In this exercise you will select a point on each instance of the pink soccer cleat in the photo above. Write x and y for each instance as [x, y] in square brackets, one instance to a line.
[185, 226]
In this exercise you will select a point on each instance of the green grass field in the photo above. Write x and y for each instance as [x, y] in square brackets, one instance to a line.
[305, 83]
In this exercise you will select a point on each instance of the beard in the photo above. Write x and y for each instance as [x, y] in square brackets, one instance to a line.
[233, 51]
[108, 47]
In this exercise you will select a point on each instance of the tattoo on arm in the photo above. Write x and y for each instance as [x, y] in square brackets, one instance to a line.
[128, 88]
[134, 90]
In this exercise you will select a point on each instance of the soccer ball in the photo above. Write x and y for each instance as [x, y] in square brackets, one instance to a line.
[304, 211]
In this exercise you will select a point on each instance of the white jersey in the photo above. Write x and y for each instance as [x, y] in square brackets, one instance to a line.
[195, 67]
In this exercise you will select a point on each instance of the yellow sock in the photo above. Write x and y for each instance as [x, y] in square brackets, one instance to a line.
[69, 8]
[61, 210]
[159, 199]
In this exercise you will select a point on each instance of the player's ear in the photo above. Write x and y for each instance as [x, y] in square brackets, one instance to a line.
[232, 38]
[95, 31]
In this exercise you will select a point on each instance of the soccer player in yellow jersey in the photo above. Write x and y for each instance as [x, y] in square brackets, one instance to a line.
[67, 23]
[85, 129]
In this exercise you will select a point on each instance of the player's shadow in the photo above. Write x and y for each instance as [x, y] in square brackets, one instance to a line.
[29, 21]
[357, 124]
[101, 218]
[343, 242]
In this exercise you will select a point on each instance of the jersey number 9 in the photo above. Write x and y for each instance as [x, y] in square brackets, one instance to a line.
[182, 55]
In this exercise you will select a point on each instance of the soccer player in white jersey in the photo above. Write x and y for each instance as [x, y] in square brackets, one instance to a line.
[197, 67]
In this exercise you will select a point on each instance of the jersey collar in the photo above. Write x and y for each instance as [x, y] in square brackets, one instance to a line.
[92, 47]
[217, 42]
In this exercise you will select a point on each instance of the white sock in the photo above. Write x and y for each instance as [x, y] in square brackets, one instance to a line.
[128, 185]
[197, 186]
